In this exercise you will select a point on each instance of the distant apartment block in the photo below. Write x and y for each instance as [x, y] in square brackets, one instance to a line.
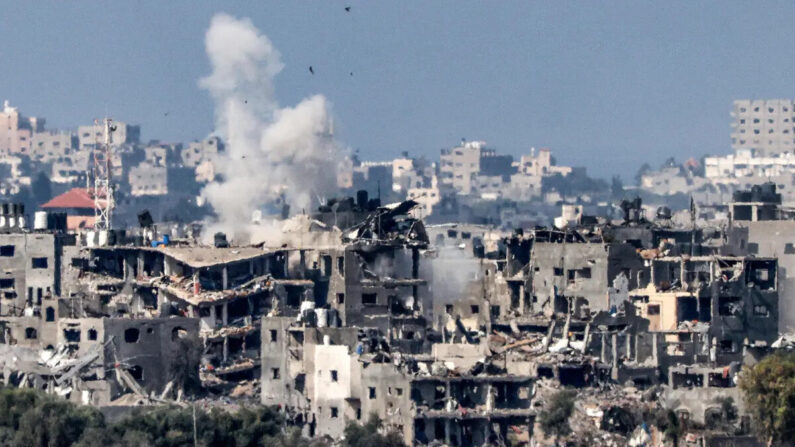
[52, 145]
[88, 136]
[766, 127]
[458, 166]
[16, 131]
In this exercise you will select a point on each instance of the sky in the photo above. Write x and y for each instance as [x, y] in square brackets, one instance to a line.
[605, 85]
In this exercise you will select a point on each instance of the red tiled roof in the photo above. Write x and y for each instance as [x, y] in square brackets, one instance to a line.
[74, 198]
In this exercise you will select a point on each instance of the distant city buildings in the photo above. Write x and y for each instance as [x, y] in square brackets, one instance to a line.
[16, 131]
[764, 151]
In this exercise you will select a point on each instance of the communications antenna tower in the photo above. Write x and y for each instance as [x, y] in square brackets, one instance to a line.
[103, 188]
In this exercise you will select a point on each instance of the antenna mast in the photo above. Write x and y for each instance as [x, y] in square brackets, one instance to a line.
[103, 189]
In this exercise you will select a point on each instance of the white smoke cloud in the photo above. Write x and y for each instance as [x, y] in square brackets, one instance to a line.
[271, 152]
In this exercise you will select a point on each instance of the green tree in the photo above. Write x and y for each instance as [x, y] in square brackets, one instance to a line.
[369, 434]
[32, 418]
[293, 438]
[769, 389]
[554, 418]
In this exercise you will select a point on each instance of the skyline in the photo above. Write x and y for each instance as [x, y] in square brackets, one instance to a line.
[424, 76]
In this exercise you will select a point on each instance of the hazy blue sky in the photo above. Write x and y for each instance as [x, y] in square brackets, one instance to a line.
[603, 84]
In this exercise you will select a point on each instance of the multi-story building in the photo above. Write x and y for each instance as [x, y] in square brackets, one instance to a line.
[458, 166]
[88, 136]
[16, 131]
[52, 145]
[759, 227]
[766, 127]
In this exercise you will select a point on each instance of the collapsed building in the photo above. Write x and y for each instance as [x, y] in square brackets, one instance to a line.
[455, 341]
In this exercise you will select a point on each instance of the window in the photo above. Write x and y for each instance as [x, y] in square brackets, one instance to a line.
[275, 375]
[92, 334]
[50, 314]
[72, 335]
[557, 271]
[399, 391]
[369, 298]
[39, 263]
[30, 333]
[131, 335]
[341, 265]
[475, 309]
[762, 274]
[8, 283]
[789, 249]
[372, 393]
[137, 372]
[465, 235]
[452, 233]
[653, 309]
[274, 335]
[448, 308]
[334, 412]
[334, 377]
[340, 298]
[585, 272]
[7, 250]
[760, 310]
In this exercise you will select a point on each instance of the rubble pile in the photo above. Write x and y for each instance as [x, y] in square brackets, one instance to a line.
[450, 334]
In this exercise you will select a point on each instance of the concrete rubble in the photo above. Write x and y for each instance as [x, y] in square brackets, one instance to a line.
[452, 334]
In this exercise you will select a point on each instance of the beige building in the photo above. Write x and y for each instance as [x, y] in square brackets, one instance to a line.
[16, 131]
[459, 165]
[427, 198]
[766, 127]
[90, 135]
[199, 152]
[51, 145]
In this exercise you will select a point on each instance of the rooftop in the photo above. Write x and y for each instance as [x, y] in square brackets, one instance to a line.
[74, 198]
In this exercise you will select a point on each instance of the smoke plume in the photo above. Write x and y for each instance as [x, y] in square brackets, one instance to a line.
[272, 153]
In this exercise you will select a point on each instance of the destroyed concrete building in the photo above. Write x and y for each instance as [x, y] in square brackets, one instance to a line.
[451, 334]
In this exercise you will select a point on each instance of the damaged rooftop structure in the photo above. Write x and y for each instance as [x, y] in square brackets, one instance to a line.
[452, 334]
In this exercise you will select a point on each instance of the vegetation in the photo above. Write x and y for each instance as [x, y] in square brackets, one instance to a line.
[554, 418]
[369, 434]
[769, 389]
[33, 419]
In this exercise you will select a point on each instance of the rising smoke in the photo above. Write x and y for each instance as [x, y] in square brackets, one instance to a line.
[272, 154]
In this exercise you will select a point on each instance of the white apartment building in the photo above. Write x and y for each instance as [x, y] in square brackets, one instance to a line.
[458, 166]
[765, 127]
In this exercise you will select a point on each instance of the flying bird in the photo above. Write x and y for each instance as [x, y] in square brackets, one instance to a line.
[245, 101]
[347, 9]
[311, 70]
[351, 73]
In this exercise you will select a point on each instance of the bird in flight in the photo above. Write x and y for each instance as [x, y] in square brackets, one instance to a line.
[311, 70]
[347, 9]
